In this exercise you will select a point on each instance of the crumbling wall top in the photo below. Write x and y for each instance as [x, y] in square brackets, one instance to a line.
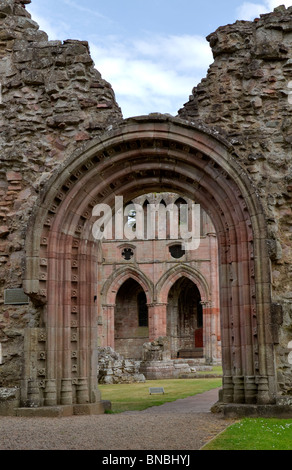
[253, 35]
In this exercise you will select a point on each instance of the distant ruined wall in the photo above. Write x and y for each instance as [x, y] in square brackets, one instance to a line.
[246, 96]
[52, 101]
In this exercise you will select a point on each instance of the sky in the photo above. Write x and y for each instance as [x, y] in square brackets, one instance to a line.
[151, 52]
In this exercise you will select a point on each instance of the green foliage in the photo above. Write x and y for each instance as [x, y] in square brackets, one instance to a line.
[255, 434]
[130, 397]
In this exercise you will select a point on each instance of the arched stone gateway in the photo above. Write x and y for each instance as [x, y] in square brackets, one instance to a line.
[141, 155]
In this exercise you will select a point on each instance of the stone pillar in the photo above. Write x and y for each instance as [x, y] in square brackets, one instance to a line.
[263, 397]
[66, 396]
[53, 319]
[251, 390]
[66, 392]
[228, 388]
[210, 322]
[50, 392]
[108, 318]
[94, 393]
[29, 390]
[85, 302]
[238, 392]
[157, 320]
[33, 395]
[212, 309]
[207, 322]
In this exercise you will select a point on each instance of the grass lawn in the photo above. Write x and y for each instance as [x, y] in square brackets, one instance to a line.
[255, 434]
[130, 397]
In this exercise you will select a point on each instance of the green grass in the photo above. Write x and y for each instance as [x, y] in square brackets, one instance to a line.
[131, 397]
[255, 434]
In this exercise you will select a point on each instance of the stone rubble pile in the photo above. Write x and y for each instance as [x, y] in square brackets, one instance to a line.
[114, 369]
[157, 363]
[174, 369]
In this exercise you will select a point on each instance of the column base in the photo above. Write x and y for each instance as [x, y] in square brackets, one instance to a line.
[60, 411]
[235, 410]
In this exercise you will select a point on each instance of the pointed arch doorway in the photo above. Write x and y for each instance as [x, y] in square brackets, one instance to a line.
[141, 155]
[185, 320]
[131, 320]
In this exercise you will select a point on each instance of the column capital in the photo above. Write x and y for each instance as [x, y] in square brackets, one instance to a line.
[157, 304]
[206, 303]
[108, 305]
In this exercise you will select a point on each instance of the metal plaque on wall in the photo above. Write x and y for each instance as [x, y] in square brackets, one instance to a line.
[15, 297]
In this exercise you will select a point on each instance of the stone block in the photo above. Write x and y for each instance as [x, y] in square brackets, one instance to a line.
[13, 176]
[4, 231]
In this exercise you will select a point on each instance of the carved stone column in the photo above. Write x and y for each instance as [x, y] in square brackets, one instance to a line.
[157, 320]
[108, 318]
[66, 392]
[238, 392]
[228, 389]
[50, 393]
[264, 397]
[33, 395]
[251, 389]
[207, 323]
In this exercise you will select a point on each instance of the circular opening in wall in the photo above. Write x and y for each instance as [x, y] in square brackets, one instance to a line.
[176, 251]
[127, 253]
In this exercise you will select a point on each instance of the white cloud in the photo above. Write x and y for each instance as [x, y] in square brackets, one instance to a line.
[249, 11]
[275, 3]
[188, 52]
[90, 11]
[153, 74]
[55, 31]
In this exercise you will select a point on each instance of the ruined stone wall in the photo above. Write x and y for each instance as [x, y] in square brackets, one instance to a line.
[246, 97]
[52, 101]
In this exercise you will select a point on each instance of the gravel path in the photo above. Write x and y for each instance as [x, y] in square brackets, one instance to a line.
[184, 425]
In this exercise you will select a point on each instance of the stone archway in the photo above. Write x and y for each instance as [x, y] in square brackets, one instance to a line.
[185, 320]
[142, 155]
[208, 301]
[108, 299]
[131, 324]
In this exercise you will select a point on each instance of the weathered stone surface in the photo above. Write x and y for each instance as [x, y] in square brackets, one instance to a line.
[174, 369]
[245, 97]
[9, 400]
[50, 97]
[114, 369]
